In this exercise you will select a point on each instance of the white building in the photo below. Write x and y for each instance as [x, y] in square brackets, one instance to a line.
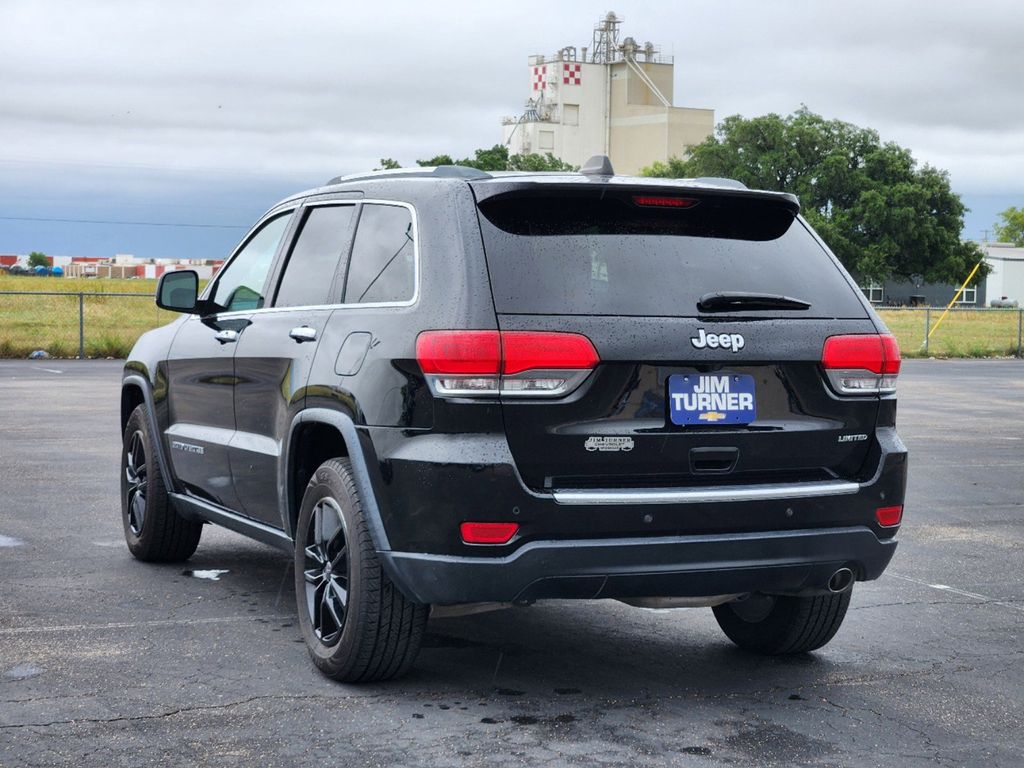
[611, 98]
[1007, 276]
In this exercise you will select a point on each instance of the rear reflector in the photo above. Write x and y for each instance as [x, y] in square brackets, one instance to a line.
[488, 533]
[659, 201]
[861, 364]
[889, 517]
[516, 363]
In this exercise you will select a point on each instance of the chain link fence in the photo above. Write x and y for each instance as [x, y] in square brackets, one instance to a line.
[108, 324]
[75, 324]
[963, 332]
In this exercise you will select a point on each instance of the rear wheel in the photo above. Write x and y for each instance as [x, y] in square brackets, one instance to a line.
[774, 625]
[152, 529]
[357, 625]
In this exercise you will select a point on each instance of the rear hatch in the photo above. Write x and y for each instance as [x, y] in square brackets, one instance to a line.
[706, 374]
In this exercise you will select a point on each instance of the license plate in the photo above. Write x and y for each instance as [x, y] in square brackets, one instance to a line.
[702, 398]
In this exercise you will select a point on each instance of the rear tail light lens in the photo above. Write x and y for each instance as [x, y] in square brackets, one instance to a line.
[488, 533]
[513, 363]
[889, 517]
[863, 364]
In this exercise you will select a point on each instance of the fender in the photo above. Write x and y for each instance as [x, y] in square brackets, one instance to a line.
[135, 379]
[360, 475]
[360, 471]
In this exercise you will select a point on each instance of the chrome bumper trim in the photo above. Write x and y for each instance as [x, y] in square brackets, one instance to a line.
[705, 494]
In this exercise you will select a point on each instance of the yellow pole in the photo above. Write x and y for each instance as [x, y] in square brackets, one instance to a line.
[955, 297]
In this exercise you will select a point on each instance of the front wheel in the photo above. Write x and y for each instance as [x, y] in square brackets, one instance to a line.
[357, 625]
[152, 529]
[776, 625]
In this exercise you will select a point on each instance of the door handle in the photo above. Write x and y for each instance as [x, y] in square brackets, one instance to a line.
[303, 333]
[227, 336]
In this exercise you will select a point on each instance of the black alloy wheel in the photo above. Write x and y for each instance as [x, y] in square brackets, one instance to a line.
[358, 626]
[153, 530]
[135, 482]
[326, 571]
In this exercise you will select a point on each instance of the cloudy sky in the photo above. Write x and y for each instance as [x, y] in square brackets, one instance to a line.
[204, 113]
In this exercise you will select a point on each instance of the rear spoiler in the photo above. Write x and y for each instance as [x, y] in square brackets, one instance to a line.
[484, 189]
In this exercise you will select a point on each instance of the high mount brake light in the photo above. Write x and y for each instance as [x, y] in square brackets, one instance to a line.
[514, 363]
[663, 201]
[862, 364]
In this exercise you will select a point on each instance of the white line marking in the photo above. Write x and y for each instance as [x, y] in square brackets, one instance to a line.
[10, 541]
[139, 624]
[955, 591]
[48, 370]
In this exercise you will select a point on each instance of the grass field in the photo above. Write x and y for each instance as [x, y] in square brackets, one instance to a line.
[113, 323]
[964, 332]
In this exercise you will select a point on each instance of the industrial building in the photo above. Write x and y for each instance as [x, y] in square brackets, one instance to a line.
[1004, 282]
[609, 98]
[121, 265]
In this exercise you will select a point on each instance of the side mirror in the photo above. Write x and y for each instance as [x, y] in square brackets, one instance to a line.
[178, 291]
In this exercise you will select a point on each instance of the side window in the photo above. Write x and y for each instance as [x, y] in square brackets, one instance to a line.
[240, 284]
[314, 259]
[383, 256]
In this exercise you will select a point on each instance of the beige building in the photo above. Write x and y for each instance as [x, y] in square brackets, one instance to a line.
[610, 98]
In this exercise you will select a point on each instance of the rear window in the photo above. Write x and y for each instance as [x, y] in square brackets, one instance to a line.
[630, 253]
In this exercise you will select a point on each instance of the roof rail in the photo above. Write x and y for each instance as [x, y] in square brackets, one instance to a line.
[438, 171]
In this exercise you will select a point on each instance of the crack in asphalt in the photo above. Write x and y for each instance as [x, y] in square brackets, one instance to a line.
[169, 713]
[141, 624]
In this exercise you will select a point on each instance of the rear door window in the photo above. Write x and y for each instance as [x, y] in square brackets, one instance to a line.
[309, 276]
[602, 252]
[383, 264]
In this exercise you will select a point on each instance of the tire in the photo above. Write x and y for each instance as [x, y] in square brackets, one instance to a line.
[153, 530]
[776, 625]
[357, 625]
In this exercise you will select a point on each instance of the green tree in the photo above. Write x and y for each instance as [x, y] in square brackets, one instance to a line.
[534, 162]
[388, 164]
[436, 160]
[493, 159]
[37, 259]
[880, 212]
[1011, 230]
[496, 158]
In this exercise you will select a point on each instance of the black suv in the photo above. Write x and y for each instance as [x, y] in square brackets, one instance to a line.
[442, 387]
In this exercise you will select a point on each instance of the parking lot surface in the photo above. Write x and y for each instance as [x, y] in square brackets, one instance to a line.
[105, 661]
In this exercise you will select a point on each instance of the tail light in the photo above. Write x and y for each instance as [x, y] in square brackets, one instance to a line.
[864, 364]
[513, 363]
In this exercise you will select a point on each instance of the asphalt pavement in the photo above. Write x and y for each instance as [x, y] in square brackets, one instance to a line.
[105, 661]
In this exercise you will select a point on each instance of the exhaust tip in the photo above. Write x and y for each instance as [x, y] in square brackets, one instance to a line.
[841, 580]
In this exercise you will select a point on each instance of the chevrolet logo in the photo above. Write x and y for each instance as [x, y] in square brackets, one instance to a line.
[711, 416]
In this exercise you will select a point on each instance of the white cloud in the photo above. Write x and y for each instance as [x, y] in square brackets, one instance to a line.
[315, 88]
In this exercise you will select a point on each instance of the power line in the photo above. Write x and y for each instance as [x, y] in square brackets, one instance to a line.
[123, 223]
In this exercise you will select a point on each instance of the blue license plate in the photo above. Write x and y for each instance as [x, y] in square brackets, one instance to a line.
[711, 398]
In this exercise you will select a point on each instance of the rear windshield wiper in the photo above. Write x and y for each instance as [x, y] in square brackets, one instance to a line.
[726, 301]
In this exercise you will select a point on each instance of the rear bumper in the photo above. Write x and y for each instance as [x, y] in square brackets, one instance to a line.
[781, 562]
[689, 542]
